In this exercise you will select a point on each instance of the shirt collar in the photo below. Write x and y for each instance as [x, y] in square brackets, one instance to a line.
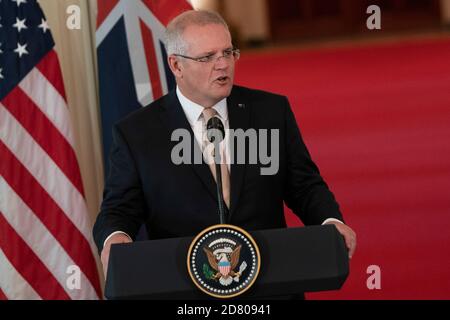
[193, 110]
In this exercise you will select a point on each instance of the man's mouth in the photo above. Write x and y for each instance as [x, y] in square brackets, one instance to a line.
[222, 80]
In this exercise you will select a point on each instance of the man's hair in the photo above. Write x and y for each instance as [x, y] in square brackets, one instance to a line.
[174, 41]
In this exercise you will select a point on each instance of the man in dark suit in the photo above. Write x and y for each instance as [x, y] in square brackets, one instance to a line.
[146, 185]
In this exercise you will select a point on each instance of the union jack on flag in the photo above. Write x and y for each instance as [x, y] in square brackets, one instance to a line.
[132, 65]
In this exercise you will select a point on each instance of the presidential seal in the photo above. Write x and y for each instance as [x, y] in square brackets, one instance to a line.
[223, 261]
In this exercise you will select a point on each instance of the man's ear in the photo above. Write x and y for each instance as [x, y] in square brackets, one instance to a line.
[175, 66]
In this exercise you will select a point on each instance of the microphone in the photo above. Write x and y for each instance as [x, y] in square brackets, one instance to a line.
[215, 132]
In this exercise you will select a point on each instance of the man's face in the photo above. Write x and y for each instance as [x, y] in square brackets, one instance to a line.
[206, 83]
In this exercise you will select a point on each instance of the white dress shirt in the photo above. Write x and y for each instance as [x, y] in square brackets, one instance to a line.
[193, 112]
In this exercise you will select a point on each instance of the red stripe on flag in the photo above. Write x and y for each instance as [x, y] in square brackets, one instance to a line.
[104, 8]
[28, 264]
[50, 68]
[2, 295]
[166, 10]
[50, 214]
[45, 133]
[152, 64]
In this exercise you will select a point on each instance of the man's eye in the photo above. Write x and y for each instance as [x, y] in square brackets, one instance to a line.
[205, 58]
[227, 53]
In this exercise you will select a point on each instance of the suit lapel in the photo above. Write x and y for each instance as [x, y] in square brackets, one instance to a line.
[176, 119]
[239, 111]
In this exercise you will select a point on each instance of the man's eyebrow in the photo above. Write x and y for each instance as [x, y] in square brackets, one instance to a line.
[214, 52]
[209, 53]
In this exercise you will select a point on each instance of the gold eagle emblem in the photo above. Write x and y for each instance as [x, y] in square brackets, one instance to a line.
[224, 262]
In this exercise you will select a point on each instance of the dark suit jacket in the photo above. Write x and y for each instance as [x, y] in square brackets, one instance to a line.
[144, 186]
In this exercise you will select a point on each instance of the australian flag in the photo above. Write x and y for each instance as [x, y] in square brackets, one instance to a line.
[132, 65]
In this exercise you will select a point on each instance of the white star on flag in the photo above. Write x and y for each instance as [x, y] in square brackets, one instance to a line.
[21, 49]
[44, 25]
[19, 2]
[20, 24]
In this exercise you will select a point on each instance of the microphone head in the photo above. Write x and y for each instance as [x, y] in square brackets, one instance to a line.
[215, 130]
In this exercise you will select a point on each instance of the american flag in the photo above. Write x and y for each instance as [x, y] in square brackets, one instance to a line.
[132, 65]
[44, 225]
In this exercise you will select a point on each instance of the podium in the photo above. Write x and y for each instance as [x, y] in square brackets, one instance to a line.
[293, 261]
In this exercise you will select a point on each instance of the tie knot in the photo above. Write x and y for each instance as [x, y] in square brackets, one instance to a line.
[208, 113]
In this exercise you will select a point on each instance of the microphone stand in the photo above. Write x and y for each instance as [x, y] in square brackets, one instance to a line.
[223, 210]
[217, 135]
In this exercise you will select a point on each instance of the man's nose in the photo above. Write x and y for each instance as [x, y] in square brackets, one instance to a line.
[222, 63]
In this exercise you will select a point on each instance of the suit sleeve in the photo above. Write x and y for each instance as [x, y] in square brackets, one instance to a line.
[305, 193]
[123, 207]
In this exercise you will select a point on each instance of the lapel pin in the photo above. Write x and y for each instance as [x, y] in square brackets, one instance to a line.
[241, 105]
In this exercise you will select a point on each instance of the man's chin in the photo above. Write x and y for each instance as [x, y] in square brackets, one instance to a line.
[223, 91]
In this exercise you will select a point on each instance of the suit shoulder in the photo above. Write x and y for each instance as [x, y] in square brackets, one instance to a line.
[264, 102]
[143, 117]
[256, 94]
